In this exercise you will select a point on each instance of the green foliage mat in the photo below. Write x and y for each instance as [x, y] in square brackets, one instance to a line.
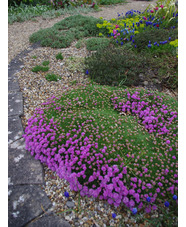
[63, 33]
[94, 44]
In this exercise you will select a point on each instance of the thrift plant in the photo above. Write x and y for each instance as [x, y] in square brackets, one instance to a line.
[59, 56]
[45, 63]
[52, 77]
[115, 144]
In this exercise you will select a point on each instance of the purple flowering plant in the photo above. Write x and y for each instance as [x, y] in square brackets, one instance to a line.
[109, 143]
[125, 28]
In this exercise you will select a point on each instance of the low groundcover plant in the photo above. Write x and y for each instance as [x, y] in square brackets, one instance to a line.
[115, 144]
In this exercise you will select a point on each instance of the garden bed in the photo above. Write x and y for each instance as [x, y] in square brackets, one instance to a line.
[61, 73]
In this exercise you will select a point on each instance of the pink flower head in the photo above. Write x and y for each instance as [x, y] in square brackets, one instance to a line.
[158, 190]
[152, 11]
[117, 26]
[161, 6]
[144, 18]
[114, 31]
[168, 141]
[163, 17]
[156, 8]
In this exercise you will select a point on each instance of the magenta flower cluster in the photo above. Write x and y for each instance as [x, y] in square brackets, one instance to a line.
[156, 117]
[77, 156]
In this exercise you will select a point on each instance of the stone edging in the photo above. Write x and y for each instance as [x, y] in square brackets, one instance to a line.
[28, 204]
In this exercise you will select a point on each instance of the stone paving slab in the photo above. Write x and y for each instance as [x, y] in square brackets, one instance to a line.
[25, 204]
[27, 201]
[15, 104]
[13, 85]
[49, 221]
[15, 129]
[23, 168]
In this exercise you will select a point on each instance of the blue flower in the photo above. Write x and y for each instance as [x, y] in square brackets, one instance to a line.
[175, 197]
[87, 72]
[135, 46]
[169, 38]
[149, 41]
[133, 40]
[155, 43]
[134, 210]
[113, 215]
[116, 41]
[166, 204]
[149, 45]
[66, 194]
[148, 199]
[121, 43]
[158, 45]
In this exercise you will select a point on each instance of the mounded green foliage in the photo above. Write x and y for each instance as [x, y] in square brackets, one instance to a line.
[64, 32]
[111, 2]
[97, 43]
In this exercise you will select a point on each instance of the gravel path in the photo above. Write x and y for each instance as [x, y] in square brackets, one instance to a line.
[18, 33]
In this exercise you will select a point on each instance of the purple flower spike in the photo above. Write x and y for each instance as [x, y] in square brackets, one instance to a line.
[175, 197]
[134, 211]
[66, 194]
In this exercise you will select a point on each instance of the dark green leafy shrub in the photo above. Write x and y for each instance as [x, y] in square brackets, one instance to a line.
[38, 68]
[153, 35]
[64, 32]
[52, 77]
[114, 65]
[59, 56]
[97, 43]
